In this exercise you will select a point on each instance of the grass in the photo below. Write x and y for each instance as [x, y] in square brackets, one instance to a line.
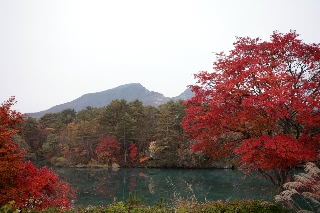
[134, 204]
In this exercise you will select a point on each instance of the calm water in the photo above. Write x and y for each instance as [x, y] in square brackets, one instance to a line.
[101, 186]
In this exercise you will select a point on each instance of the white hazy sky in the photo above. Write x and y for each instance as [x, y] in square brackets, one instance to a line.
[52, 52]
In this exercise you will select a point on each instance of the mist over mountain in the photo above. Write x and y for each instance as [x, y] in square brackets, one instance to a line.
[128, 92]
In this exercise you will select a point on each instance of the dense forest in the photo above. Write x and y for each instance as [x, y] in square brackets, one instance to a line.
[127, 133]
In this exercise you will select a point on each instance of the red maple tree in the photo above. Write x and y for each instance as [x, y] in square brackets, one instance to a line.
[21, 181]
[10, 154]
[107, 148]
[133, 152]
[42, 188]
[262, 103]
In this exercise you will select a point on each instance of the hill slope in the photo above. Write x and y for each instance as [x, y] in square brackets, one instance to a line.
[128, 92]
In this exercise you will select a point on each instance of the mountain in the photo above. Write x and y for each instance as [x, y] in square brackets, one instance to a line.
[187, 94]
[128, 92]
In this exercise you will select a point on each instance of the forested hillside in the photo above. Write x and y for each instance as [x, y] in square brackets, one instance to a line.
[126, 133]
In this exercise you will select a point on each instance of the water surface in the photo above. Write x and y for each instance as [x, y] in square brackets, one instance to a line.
[102, 186]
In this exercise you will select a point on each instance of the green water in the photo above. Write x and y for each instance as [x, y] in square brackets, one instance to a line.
[101, 186]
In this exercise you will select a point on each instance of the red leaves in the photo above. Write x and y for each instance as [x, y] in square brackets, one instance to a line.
[107, 148]
[133, 152]
[10, 154]
[279, 152]
[267, 95]
[22, 181]
[41, 188]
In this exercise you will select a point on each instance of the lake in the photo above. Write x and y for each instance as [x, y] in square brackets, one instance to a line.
[103, 186]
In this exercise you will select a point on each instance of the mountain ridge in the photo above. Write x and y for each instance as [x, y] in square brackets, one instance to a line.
[128, 92]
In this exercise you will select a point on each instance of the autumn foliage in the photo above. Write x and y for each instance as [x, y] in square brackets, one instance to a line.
[133, 152]
[42, 188]
[23, 182]
[10, 154]
[261, 102]
[107, 148]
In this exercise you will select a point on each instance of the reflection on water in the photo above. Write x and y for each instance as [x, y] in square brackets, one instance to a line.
[101, 186]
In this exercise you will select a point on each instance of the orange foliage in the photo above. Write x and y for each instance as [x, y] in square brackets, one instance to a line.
[143, 159]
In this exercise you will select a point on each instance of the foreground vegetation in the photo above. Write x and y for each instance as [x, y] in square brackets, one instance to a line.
[22, 181]
[179, 206]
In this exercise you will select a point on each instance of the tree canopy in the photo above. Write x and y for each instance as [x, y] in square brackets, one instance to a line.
[22, 181]
[260, 102]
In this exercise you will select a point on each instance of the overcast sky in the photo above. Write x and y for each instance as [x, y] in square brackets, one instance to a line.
[52, 52]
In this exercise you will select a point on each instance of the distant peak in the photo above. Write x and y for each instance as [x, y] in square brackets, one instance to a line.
[128, 92]
[131, 85]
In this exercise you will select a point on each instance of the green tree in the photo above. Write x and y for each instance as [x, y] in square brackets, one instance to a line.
[170, 134]
[51, 146]
[51, 121]
[87, 139]
[31, 133]
[120, 119]
[67, 116]
[87, 114]
[144, 125]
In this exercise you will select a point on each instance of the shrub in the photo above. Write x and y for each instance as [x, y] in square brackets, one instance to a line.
[304, 192]
[238, 206]
[9, 208]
